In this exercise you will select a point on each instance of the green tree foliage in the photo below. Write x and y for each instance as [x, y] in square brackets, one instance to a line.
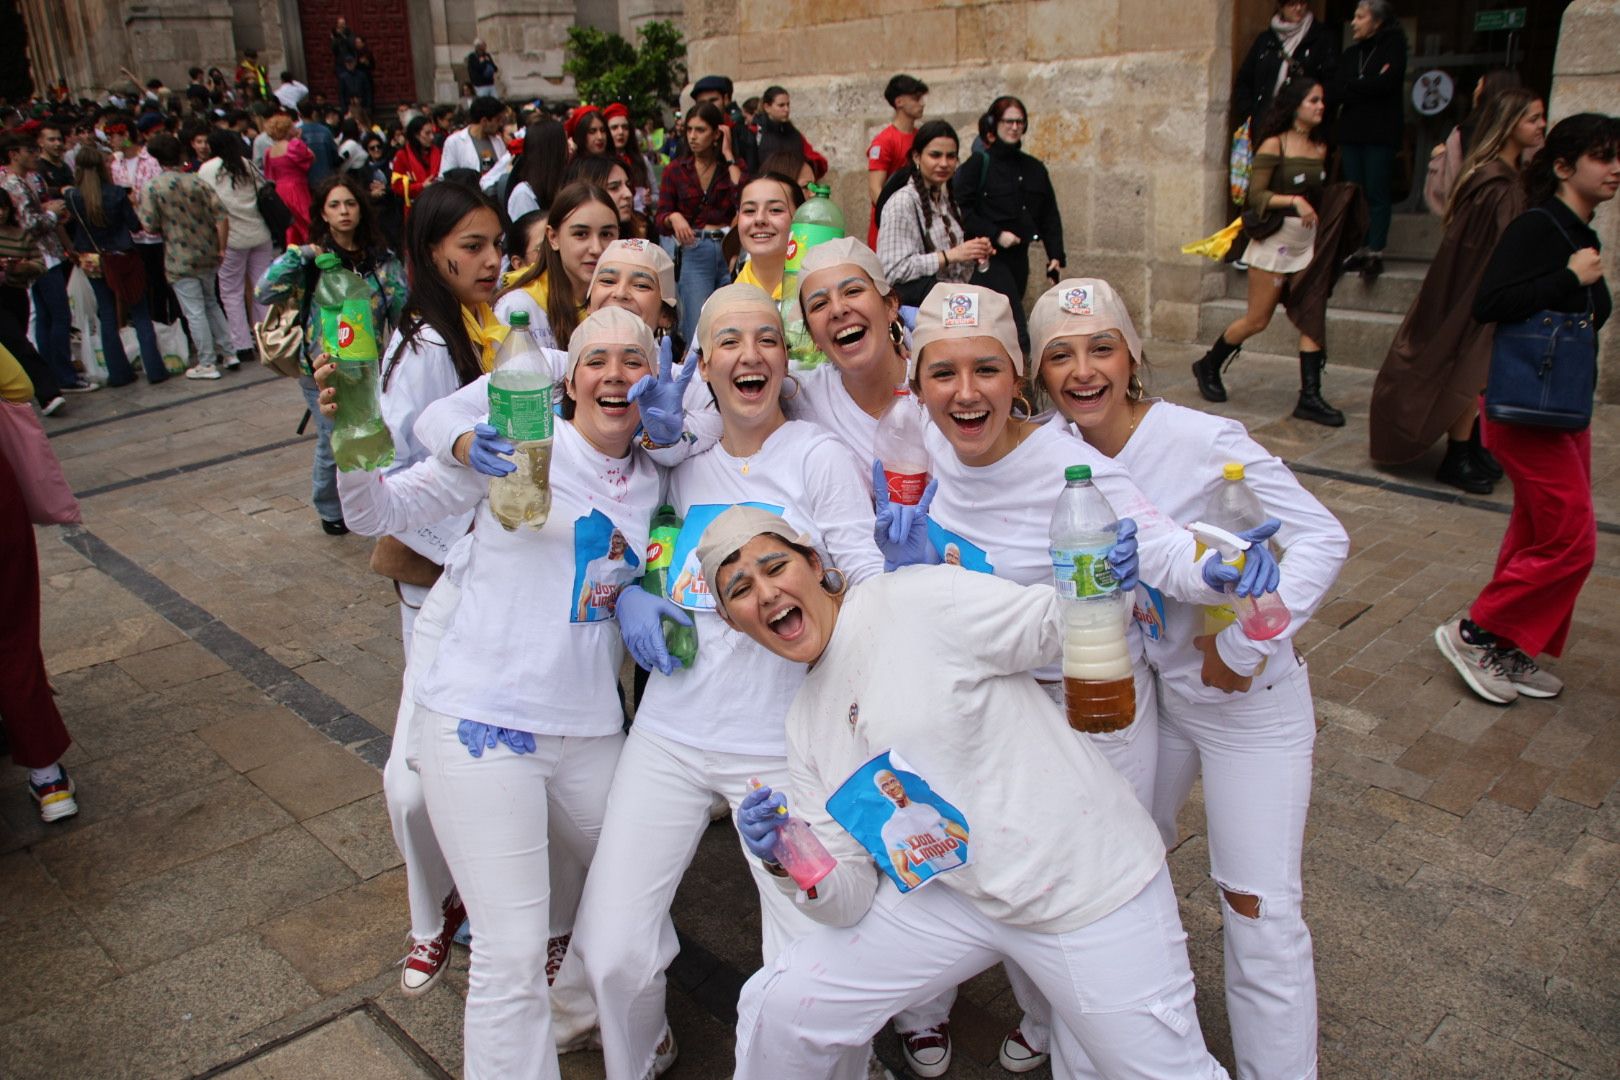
[645, 77]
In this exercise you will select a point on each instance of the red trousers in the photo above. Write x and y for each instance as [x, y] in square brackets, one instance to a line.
[1551, 539]
[33, 726]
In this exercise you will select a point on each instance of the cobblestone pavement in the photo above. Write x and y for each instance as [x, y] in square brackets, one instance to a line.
[229, 900]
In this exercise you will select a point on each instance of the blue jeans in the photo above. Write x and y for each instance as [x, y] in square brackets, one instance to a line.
[323, 491]
[703, 270]
[1372, 165]
[55, 324]
[112, 346]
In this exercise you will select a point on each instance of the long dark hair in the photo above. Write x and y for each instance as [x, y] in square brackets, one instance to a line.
[226, 145]
[927, 133]
[631, 157]
[1279, 115]
[596, 169]
[582, 132]
[1495, 82]
[543, 161]
[431, 303]
[709, 113]
[413, 147]
[1570, 139]
[562, 306]
[368, 239]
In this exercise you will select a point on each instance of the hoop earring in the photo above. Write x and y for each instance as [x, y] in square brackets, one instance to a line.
[833, 582]
[1029, 410]
[897, 334]
[1134, 390]
[797, 386]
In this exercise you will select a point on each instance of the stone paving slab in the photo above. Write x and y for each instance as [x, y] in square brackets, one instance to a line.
[230, 673]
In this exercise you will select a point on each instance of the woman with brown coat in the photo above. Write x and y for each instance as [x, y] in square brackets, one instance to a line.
[1431, 380]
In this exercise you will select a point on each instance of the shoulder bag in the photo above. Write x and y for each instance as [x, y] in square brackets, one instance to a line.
[123, 271]
[280, 334]
[1544, 368]
[277, 218]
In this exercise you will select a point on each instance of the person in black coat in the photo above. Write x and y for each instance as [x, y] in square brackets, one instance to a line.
[1295, 45]
[1006, 195]
[1545, 265]
[1371, 90]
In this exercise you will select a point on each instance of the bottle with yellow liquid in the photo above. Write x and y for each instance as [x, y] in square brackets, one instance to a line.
[1236, 508]
[1099, 687]
[520, 409]
[360, 439]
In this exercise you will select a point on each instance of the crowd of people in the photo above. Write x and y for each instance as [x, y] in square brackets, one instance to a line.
[842, 634]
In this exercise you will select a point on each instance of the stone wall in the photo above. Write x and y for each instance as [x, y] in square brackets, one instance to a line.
[1586, 78]
[1127, 102]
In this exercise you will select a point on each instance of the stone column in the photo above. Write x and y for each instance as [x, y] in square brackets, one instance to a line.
[527, 39]
[633, 13]
[167, 40]
[1586, 78]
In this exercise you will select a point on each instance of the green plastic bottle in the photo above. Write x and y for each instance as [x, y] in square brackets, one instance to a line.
[360, 439]
[681, 641]
[816, 222]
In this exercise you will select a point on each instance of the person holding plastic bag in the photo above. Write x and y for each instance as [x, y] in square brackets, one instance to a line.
[918, 703]
[1234, 710]
[1295, 44]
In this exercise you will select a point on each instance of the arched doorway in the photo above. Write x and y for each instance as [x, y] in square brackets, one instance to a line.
[385, 26]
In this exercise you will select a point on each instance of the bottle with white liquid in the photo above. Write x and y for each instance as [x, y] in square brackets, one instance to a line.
[1099, 690]
[520, 409]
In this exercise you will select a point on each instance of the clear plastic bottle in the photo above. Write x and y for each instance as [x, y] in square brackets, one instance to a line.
[681, 641]
[360, 439]
[520, 409]
[1236, 508]
[899, 445]
[816, 222]
[798, 851]
[1260, 617]
[1099, 690]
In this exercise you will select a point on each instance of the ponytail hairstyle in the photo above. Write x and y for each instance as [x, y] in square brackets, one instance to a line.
[1569, 140]
[430, 303]
[1279, 115]
[562, 306]
[90, 176]
[927, 133]
[1499, 115]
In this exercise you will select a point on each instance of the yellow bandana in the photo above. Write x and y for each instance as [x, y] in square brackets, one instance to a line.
[485, 331]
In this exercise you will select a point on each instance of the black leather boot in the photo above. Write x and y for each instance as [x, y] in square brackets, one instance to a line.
[1311, 406]
[1488, 465]
[1372, 267]
[1460, 470]
[1208, 369]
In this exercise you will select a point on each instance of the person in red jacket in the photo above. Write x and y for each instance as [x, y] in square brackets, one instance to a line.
[417, 163]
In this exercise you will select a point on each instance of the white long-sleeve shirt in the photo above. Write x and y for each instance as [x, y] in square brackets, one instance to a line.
[1176, 454]
[460, 152]
[735, 695]
[932, 664]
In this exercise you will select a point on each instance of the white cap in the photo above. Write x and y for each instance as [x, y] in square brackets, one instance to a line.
[736, 297]
[1079, 306]
[610, 326]
[643, 253]
[952, 310]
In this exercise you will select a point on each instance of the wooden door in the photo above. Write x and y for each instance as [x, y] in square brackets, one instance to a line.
[385, 26]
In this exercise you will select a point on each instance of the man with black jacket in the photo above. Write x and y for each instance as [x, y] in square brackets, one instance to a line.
[1294, 45]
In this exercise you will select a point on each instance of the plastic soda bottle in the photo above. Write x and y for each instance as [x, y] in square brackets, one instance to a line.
[816, 222]
[1099, 691]
[360, 439]
[681, 641]
[1260, 617]
[520, 409]
[899, 445]
[798, 851]
[1236, 508]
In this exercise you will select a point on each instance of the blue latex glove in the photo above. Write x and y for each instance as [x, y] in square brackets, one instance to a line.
[901, 531]
[1122, 556]
[1260, 573]
[478, 737]
[641, 624]
[758, 820]
[485, 453]
[663, 414]
[908, 318]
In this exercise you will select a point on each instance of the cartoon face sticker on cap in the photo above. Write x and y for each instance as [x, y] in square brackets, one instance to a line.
[1077, 301]
[634, 244]
[961, 309]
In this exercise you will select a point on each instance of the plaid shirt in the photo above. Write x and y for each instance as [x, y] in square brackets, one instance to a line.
[135, 173]
[680, 192]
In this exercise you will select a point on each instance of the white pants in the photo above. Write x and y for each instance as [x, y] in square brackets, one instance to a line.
[210, 333]
[237, 269]
[1255, 749]
[1120, 987]
[494, 817]
[624, 939]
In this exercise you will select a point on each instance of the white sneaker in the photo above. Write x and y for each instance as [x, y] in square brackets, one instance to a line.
[203, 371]
[232, 363]
[927, 1052]
[664, 1054]
[53, 406]
[1017, 1056]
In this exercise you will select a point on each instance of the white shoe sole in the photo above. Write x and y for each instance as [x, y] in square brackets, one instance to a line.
[1447, 650]
[1013, 1065]
[1536, 692]
[57, 811]
[418, 991]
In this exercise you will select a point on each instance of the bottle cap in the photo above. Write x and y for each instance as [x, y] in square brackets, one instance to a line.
[1077, 472]
[518, 318]
[327, 261]
[1232, 471]
[902, 390]
[818, 191]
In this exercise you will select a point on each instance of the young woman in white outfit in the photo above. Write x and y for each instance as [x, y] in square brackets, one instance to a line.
[509, 764]
[996, 480]
[561, 259]
[1237, 710]
[708, 729]
[930, 666]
